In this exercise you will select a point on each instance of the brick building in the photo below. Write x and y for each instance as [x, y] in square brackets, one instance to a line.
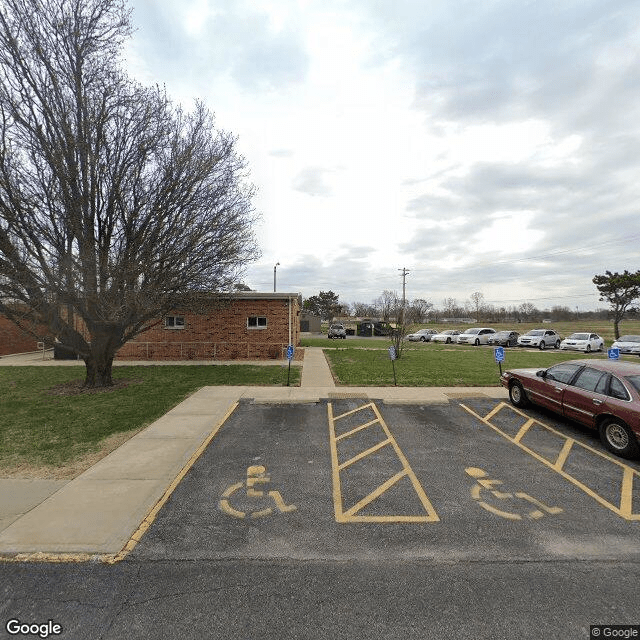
[13, 339]
[247, 326]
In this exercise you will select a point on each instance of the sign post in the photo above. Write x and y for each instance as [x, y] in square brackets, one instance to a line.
[290, 352]
[393, 356]
[499, 355]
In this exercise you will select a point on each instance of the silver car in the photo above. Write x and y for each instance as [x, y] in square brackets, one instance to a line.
[424, 335]
[476, 336]
[448, 336]
[628, 344]
[541, 338]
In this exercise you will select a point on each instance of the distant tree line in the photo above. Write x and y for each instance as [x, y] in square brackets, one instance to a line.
[388, 307]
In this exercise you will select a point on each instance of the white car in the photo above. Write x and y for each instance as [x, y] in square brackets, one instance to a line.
[583, 342]
[541, 338]
[424, 335]
[476, 336]
[448, 336]
[628, 344]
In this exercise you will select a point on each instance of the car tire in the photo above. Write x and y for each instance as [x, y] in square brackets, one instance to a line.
[618, 438]
[423, 339]
[542, 345]
[557, 344]
[448, 341]
[517, 395]
[588, 349]
[476, 343]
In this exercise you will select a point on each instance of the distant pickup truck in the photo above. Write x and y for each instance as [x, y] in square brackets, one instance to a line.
[337, 331]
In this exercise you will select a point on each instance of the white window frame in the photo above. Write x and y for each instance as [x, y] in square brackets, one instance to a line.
[171, 324]
[257, 325]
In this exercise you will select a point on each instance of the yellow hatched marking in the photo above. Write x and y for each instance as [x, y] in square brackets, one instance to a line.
[629, 474]
[564, 454]
[525, 427]
[626, 498]
[351, 514]
[376, 493]
[364, 454]
[342, 436]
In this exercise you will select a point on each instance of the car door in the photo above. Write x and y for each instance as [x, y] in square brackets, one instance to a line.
[582, 399]
[547, 390]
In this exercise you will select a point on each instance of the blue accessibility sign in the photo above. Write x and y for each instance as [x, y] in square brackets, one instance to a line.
[499, 353]
[290, 351]
[614, 354]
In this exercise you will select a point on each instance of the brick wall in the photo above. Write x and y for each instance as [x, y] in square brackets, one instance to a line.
[222, 334]
[15, 340]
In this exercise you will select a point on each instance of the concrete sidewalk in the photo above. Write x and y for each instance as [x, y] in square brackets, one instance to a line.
[98, 512]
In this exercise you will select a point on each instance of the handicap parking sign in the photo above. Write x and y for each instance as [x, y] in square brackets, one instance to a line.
[499, 351]
[290, 352]
[614, 354]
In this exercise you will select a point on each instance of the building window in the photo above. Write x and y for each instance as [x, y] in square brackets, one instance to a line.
[257, 322]
[174, 322]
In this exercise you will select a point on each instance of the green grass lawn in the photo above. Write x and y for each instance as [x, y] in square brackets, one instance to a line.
[427, 365]
[39, 429]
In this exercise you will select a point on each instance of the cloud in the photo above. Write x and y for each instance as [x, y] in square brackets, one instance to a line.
[234, 39]
[311, 181]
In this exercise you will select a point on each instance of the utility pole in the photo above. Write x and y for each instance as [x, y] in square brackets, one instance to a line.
[404, 292]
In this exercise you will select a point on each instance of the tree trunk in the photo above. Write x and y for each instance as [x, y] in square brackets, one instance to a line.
[98, 372]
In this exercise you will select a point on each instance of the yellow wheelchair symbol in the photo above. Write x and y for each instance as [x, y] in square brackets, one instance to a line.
[485, 483]
[256, 475]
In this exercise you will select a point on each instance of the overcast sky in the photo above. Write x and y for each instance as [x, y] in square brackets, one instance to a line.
[483, 145]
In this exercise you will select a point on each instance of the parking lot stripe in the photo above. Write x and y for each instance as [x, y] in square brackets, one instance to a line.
[342, 436]
[564, 454]
[364, 454]
[525, 427]
[376, 493]
[629, 475]
[351, 513]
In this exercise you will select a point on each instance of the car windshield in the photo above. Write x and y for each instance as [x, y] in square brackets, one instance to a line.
[635, 381]
[502, 334]
[336, 326]
[579, 336]
[629, 339]
[472, 331]
[536, 332]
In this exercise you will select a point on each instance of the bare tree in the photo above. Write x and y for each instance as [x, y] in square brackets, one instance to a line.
[477, 300]
[418, 310]
[389, 304]
[114, 203]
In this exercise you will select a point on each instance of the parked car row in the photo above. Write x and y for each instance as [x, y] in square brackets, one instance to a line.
[538, 338]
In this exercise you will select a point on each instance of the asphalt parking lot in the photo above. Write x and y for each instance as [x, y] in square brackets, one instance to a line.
[352, 518]
[359, 479]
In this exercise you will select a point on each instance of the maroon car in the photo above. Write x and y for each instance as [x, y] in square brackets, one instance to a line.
[602, 394]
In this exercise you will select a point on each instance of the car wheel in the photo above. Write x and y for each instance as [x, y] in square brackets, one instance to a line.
[557, 344]
[423, 339]
[588, 349]
[517, 395]
[618, 438]
[448, 341]
[476, 343]
[541, 346]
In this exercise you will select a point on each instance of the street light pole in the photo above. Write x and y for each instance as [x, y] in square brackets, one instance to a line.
[274, 276]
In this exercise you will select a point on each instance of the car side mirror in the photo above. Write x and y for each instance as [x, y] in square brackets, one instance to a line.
[542, 373]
